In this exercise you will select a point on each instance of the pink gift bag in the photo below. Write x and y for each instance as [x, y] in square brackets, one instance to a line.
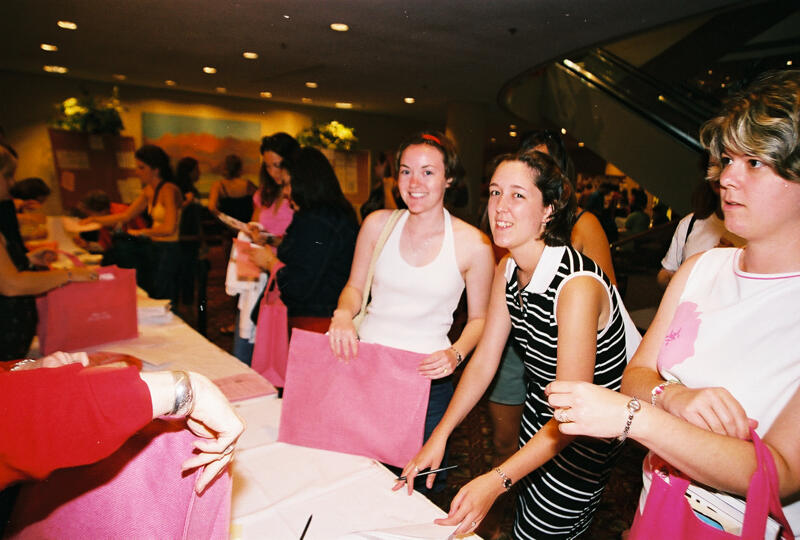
[271, 347]
[668, 516]
[373, 406]
[84, 314]
[137, 492]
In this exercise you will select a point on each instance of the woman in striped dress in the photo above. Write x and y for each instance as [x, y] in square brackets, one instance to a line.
[564, 313]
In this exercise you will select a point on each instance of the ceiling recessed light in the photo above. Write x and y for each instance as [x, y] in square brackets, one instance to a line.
[221, 89]
[512, 133]
[119, 76]
[55, 69]
[210, 70]
[265, 94]
[339, 27]
[250, 55]
[306, 100]
[311, 84]
[788, 62]
[563, 131]
[343, 105]
[48, 47]
[286, 17]
[170, 82]
[581, 144]
[409, 100]
[67, 25]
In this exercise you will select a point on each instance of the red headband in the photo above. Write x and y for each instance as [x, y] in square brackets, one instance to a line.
[432, 138]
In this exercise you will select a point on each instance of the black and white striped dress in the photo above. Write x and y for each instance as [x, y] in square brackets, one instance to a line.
[558, 499]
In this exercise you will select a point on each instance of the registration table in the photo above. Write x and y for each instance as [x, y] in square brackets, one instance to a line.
[277, 486]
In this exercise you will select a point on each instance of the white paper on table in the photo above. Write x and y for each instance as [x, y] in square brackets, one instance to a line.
[262, 417]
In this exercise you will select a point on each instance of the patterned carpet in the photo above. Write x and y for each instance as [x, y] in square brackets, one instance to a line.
[470, 445]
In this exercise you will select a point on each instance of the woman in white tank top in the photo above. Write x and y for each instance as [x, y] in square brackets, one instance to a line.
[426, 263]
[721, 355]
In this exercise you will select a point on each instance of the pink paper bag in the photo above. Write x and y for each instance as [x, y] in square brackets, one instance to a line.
[84, 314]
[245, 267]
[271, 347]
[373, 406]
[137, 492]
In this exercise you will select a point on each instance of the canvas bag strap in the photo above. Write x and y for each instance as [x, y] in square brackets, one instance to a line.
[387, 230]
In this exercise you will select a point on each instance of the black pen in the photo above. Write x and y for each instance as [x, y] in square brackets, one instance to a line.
[426, 473]
[305, 529]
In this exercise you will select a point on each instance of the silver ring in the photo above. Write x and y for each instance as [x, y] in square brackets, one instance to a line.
[474, 524]
[416, 469]
[561, 415]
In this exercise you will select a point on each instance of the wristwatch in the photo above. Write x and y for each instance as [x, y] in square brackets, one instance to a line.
[505, 479]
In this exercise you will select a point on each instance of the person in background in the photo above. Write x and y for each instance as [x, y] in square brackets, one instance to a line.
[187, 173]
[560, 307]
[94, 203]
[272, 213]
[313, 260]
[19, 284]
[429, 259]
[162, 199]
[29, 195]
[701, 230]
[721, 355]
[232, 195]
[190, 229]
[637, 221]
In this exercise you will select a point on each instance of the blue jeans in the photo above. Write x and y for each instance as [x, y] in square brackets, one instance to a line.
[441, 393]
[242, 349]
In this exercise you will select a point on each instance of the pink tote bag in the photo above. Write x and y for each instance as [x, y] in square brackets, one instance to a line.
[271, 347]
[373, 406]
[84, 314]
[668, 516]
[137, 492]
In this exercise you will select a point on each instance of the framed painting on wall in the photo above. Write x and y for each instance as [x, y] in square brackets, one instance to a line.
[208, 140]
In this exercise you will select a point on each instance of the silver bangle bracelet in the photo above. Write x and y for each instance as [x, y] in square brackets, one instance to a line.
[184, 395]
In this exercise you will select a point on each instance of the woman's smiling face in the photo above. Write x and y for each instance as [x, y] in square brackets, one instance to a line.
[516, 212]
[421, 178]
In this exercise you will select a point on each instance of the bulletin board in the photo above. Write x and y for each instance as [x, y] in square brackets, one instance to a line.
[84, 162]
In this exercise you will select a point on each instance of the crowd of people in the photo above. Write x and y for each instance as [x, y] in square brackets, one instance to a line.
[546, 335]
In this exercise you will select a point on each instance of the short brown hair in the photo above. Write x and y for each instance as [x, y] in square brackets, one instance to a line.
[760, 121]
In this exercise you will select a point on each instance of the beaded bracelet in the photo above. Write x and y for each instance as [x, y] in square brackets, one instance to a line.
[633, 407]
[659, 389]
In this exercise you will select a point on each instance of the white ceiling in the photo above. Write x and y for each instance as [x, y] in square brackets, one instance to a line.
[436, 51]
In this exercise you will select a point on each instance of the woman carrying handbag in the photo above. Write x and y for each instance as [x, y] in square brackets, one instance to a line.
[721, 356]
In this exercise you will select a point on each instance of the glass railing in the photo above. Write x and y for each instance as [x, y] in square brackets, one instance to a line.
[673, 109]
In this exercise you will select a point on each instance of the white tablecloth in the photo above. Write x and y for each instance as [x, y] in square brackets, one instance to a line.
[277, 486]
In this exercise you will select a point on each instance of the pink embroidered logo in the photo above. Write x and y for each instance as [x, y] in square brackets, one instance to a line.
[679, 342]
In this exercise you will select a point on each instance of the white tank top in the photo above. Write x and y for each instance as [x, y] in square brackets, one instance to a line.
[412, 306]
[739, 331]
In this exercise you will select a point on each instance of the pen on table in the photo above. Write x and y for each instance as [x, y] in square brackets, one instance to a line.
[305, 529]
[426, 473]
